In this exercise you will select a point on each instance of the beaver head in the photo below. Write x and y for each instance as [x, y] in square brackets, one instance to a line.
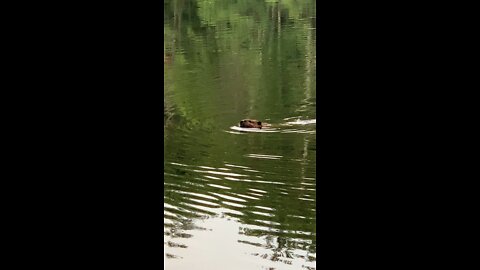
[250, 123]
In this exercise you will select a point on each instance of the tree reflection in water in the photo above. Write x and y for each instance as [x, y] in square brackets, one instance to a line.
[247, 200]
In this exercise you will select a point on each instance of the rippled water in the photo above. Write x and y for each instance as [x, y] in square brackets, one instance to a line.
[239, 198]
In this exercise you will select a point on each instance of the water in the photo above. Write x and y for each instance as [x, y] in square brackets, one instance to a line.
[239, 198]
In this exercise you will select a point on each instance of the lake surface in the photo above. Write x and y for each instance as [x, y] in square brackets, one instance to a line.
[239, 198]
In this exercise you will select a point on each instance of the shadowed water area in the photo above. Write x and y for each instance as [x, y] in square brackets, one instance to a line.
[239, 198]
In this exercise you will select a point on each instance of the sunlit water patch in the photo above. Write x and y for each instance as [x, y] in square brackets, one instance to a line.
[198, 208]
[302, 122]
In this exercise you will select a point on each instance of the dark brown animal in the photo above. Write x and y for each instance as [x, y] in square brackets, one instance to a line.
[252, 123]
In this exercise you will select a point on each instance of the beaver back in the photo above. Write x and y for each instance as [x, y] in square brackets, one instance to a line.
[252, 123]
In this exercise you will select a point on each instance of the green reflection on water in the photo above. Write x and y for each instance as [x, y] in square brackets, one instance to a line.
[225, 61]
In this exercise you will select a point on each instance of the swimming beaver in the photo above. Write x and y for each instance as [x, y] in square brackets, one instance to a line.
[252, 123]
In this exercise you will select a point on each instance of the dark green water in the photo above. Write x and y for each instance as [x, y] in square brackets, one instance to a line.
[233, 199]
